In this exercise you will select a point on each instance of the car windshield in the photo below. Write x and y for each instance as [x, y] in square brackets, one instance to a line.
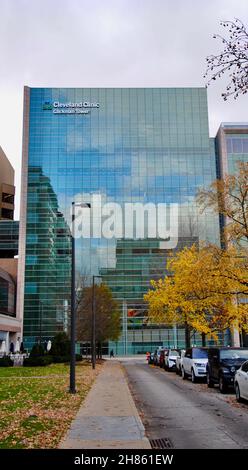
[234, 354]
[200, 353]
[174, 352]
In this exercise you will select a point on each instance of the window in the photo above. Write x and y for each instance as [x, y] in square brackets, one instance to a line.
[4, 293]
[200, 353]
[8, 198]
[245, 367]
[7, 213]
[237, 145]
[188, 353]
[234, 354]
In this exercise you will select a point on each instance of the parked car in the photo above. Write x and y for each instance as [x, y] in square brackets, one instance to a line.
[156, 356]
[194, 363]
[222, 365]
[179, 362]
[150, 359]
[162, 356]
[170, 359]
[241, 382]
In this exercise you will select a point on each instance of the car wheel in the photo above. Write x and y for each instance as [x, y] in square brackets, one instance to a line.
[193, 377]
[237, 391]
[184, 375]
[209, 381]
[222, 385]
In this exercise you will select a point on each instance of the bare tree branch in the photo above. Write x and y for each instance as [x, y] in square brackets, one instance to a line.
[232, 59]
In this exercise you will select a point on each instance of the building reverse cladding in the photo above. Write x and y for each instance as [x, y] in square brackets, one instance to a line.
[232, 149]
[10, 322]
[127, 145]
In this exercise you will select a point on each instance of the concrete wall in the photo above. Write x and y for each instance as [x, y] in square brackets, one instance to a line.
[10, 265]
[10, 327]
[7, 174]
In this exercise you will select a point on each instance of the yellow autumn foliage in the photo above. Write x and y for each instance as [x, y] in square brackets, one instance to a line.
[200, 289]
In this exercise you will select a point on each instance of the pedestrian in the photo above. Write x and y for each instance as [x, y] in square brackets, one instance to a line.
[111, 353]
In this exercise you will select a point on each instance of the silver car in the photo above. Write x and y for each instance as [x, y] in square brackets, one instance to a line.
[179, 362]
[170, 359]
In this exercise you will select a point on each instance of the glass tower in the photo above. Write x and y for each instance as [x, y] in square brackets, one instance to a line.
[125, 145]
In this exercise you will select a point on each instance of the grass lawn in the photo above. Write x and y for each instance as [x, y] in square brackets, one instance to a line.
[35, 406]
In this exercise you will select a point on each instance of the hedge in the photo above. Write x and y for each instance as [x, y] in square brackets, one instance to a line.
[37, 361]
[6, 362]
[60, 359]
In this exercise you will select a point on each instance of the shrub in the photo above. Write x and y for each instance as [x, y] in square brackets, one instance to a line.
[60, 345]
[37, 350]
[6, 362]
[36, 361]
[61, 359]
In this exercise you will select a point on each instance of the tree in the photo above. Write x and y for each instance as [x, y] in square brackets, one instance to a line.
[196, 294]
[108, 322]
[229, 197]
[233, 59]
[61, 345]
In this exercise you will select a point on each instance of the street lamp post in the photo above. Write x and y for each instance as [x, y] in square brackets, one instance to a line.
[73, 301]
[93, 346]
[73, 307]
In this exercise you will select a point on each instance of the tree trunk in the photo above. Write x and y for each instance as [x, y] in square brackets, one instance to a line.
[203, 336]
[98, 350]
[187, 335]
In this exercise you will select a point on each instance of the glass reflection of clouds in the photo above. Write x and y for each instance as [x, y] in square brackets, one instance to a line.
[141, 145]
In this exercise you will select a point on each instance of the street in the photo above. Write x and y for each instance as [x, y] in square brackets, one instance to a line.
[188, 415]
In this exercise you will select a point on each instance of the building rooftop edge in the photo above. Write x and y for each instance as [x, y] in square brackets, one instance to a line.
[3, 155]
[115, 87]
[234, 124]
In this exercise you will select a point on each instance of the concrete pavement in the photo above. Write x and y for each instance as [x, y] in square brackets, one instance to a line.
[108, 418]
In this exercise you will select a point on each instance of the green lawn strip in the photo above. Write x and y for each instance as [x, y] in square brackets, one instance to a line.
[36, 412]
[53, 369]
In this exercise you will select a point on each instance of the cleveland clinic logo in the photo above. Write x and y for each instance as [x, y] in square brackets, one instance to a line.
[111, 220]
[81, 107]
[47, 106]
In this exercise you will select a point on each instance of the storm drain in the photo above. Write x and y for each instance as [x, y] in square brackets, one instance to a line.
[163, 443]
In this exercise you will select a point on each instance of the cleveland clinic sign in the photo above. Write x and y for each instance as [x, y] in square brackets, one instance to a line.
[82, 107]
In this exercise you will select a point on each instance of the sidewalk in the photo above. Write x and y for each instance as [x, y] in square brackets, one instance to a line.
[108, 418]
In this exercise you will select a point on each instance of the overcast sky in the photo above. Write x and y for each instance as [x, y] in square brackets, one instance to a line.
[109, 43]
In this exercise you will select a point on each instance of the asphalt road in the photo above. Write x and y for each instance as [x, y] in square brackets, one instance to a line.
[190, 415]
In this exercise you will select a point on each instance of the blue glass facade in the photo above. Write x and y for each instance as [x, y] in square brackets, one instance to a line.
[127, 145]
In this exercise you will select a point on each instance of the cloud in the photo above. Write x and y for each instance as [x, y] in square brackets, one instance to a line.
[90, 43]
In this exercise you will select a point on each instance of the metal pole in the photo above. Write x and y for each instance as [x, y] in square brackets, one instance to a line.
[73, 308]
[93, 335]
[93, 346]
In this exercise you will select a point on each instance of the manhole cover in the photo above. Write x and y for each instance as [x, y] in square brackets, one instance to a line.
[163, 443]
